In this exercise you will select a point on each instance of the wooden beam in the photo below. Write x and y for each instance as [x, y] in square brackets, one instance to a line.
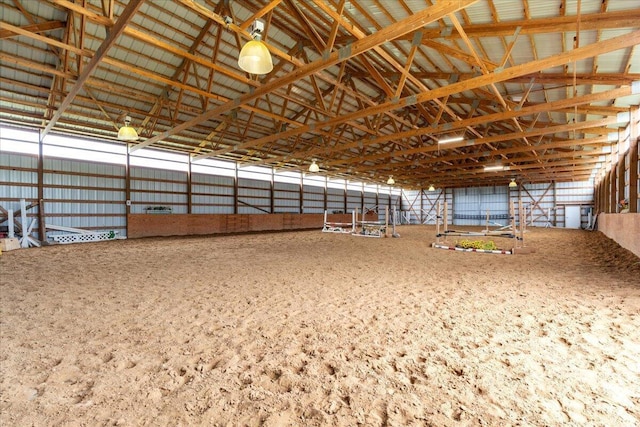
[487, 140]
[598, 48]
[391, 32]
[475, 121]
[47, 40]
[593, 21]
[539, 77]
[98, 19]
[42, 27]
[116, 31]
[599, 141]
[260, 13]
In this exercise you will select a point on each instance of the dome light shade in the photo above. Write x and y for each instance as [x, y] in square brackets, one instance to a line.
[126, 132]
[255, 57]
[391, 181]
[313, 167]
[431, 188]
[513, 183]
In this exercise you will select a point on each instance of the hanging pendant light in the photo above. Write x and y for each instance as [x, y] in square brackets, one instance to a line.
[431, 188]
[127, 132]
[313, 167]
[513, 183]
[255, 57]
[391, 181]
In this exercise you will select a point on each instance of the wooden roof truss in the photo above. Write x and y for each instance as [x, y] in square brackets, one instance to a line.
[366, 87]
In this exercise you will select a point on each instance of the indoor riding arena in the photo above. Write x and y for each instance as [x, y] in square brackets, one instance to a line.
[319, 213]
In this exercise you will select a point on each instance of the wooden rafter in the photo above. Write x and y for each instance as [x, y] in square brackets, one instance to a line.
[483, 72]
[113, 35]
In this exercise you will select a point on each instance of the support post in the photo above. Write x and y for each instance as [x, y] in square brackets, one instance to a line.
[634, 166]
[127, 188]
[235, 190]
[555, 204]
[272, 193]
[42, 231]
[189, 191]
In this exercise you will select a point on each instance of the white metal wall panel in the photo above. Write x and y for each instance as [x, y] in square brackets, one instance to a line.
[312, 199]
[354, 200]
[573, 194]
[383, 204]
[18, 184]
[471, 205]
[155, 187]
[286, 197]
[212, 194]
[157, 174]
[75, 197]
[253, 183]
[18, 160]
[254, 196]
[11, 193]
[370, 200]
[335, 200]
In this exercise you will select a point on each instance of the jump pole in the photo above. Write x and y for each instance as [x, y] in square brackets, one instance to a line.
[386, 221]
[514, 230]
[355, 212]
[445, 220]
[438, 223]
[393, 224]
[487, 227]
[523, 224]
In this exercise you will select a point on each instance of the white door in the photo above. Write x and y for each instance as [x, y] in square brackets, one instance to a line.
[572, 216]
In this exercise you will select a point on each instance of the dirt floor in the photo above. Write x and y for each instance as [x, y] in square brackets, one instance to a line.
[310, 328]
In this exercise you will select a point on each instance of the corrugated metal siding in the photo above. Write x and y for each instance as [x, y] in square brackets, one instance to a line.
[153, 188]
[370, 200]
[335, 200]
[354, 200]
[286, 198]
[87, 194]
[313, 199]
[574, 193]
[19, 180]
[211, 194]
[83, 194]
[471, 205]
[254, 196]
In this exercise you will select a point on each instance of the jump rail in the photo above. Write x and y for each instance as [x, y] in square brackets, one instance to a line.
[513, 233]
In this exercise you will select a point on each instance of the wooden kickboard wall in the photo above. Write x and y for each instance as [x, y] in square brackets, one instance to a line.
[149, 225]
